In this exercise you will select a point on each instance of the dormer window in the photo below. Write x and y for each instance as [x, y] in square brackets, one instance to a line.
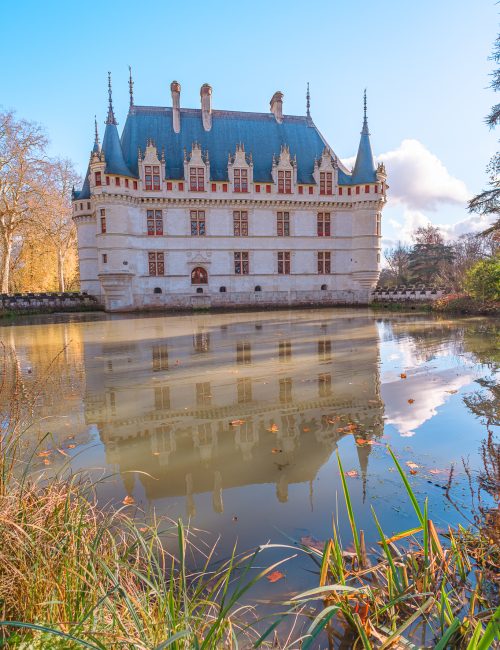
[284, 181]
[240, 180]
[98, 178]
[197, 179]
[152, 177]
[325, 183]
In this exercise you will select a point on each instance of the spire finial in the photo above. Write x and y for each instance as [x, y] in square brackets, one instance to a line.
[364, 130]
[96, 139]
[308, 102]
[130, 88]
[111, 116]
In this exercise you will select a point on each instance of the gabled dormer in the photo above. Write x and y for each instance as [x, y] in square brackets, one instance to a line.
[240, 170]
[196, 168]
[284, 171]
[325, 173]
[151, 168]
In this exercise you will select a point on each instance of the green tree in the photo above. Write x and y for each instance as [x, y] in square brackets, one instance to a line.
[430, 256]
[488, 201]
[483, 280]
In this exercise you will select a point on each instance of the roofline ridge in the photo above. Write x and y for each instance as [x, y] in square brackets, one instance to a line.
[220, 112]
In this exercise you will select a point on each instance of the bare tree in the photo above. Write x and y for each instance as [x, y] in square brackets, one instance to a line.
[397, 260]
[22, 163]
[55, 222]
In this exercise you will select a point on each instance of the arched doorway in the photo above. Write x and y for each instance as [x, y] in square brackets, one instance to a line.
[199, 276]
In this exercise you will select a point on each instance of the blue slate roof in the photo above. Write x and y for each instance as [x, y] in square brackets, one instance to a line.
[260, 133]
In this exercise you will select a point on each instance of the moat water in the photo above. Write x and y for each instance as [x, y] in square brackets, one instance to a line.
[232, 421]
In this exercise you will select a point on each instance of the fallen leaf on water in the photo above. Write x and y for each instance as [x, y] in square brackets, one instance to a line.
[273, 428]
[275, 576]
[127, 501]
[71, 446]
[410, 401]
[236, 423]
[306, 429]
[46, 461]
[413, 472]
[43, 454]
[352, 473]
[403, 375]
[411, 464]
[275, 450]
[143, 530]
[437, 471]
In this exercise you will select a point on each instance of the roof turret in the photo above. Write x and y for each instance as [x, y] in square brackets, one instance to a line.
[111, 146]
[97, 147]
[364, 168]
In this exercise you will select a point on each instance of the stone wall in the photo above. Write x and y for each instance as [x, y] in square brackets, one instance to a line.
[47, 302]
[408, 293]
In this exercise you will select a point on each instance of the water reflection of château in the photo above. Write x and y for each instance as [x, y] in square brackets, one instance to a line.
[164, 394]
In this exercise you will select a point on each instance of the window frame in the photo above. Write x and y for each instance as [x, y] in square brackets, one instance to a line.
[326, 183]
[324, 224]
[283, 223]
[240, 179]
[196, 179]
[324, 262]
[156, 264]
[198, 223]
[240, 223]
[154, 223]
[284, 181]
[284, 263]
[241, 262]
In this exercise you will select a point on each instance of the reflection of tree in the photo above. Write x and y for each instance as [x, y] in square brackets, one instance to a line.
[486, 406]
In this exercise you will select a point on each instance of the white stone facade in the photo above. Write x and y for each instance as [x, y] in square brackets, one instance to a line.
[114, 244]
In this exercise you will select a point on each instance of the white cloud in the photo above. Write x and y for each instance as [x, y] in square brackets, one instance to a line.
[418, 179]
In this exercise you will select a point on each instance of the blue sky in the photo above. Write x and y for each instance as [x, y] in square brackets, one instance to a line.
[425, 65]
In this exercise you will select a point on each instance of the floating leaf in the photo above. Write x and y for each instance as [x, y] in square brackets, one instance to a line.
[275, 576]
[403, 375]
[410, 401]
[128, 500]
[362, 441]
[71, 446]
[352, 473]
[437, 471]
[46, 461]
[411, 464]
[275, 450]
[413, 472]
[43, 454]
[306, 429]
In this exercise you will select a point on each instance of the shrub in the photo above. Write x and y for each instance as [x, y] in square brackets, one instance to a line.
[483, 280]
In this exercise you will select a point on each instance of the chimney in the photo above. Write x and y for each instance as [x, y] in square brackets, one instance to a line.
[276, 104]
[206, 106]
[175, 89]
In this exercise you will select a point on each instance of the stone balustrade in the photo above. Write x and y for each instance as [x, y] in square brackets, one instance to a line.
[409, 293]
[48, 302]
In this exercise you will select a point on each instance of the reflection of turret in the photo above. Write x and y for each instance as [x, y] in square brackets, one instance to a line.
[282, 488]
[363, 456]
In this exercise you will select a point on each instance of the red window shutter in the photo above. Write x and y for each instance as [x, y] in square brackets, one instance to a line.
[107, 180]
[349, 192]
[257, 189]
[169, 185]
[181, 186]
[301, 189]
[98, 180]
[135, 185]
[214, 187]
[376, 189]
[367, 189]
[311, 189]
[126, 182]
[268, 189]
[224, 187]
[357, 189]
[340, 191]
[117, 181]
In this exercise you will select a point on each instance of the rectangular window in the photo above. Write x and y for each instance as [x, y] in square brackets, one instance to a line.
[349, 191]
[160, 357]
[203, 394]
[285, 182]
[325, 350]
[224, 187]
[117, 181]
[243, 353]
[198, 223]
[324, 224]
[283, 224]
[241, 180]
[301, 189]
[155, 222]
[241, 263]
[156, 263]
[103, 221]
[107, 180]
[214, 187]
[162, 397]
[379, 224]
[284, 262]
[244, 390]
[325, 384]
[240, 223]
[367, 189]
[181, 186]
[152, 177]
[169, 185]
[358, 189]
[285, 351]
[285, 387]
[325, 183]
[340, 191]
[257, 189]
[98, 179]
[104, 258]
[324, 262]
[135, 185]
[311, 190]
[197, 179]
[268, 189]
